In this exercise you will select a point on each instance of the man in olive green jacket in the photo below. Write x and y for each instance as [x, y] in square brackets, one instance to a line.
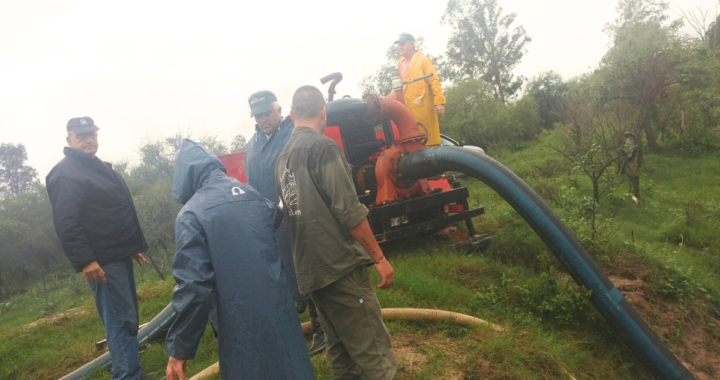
[333, 244]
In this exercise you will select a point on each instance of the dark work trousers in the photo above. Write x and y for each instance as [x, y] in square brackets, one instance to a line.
[117, 304]
[357, 340]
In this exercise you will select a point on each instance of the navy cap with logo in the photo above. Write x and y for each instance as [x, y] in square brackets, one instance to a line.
[83, 124]
[261, 102]
[405, 37]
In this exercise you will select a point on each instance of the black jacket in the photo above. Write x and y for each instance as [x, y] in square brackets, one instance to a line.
[93, 211]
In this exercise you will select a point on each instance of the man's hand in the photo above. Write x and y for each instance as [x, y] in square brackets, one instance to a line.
[364, 235]
[176, 367]
[386, 272]
[93, 272]
[440, 109]
[141, 260]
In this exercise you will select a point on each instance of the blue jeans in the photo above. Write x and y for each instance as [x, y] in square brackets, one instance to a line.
[117, 304]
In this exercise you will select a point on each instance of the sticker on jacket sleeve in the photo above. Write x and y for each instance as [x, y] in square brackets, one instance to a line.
[289, 188]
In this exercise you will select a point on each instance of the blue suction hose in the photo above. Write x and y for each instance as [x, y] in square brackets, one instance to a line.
[154, 330]
[564, 245]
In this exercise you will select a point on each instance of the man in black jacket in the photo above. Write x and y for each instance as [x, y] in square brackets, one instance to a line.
[98, 228]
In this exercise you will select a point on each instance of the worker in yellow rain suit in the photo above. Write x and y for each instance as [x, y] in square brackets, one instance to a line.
[425, 97]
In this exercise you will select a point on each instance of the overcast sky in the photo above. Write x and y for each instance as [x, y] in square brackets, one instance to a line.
[144, 70]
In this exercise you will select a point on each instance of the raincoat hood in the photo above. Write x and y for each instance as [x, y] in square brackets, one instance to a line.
[193, 166]
[226, 253]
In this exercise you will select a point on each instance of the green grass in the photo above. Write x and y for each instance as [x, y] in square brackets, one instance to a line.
[670, 241]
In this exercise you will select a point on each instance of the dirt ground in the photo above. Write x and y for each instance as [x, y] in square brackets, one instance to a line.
[58, 317]
[412, 357]
[692, 338]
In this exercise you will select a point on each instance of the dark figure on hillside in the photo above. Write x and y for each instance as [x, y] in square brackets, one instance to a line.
[272, 132]
[226, 251]
[98, 228]
[333, 244]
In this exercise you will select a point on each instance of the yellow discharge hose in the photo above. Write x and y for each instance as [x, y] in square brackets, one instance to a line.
[207, 372]
[426, 315]
[391, 314]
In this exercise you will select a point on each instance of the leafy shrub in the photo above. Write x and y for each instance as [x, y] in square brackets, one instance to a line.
[699, 142]
[672, 282]
[548, 297]
[6, 307]
[695, 225]
[475, 116]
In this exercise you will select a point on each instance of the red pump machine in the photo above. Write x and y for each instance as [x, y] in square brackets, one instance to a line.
[373, 133]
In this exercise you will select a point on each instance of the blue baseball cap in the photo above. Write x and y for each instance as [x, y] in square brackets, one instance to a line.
[83, 124]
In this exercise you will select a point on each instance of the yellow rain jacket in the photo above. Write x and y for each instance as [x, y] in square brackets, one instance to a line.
[422, 96]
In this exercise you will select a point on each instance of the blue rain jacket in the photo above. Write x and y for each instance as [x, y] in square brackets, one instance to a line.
[260, 158]
[226, 249]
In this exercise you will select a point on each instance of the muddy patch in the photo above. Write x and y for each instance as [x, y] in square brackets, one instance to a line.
[474, 276]
[148, 294]
[694, 338]
[58, 318]
[419, 358]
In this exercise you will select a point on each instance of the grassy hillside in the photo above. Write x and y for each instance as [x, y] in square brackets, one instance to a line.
[662, 253]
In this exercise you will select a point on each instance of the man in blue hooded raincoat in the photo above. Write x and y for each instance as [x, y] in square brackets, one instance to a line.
[226, 249]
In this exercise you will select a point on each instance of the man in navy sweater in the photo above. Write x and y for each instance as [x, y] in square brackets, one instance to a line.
[272, 132]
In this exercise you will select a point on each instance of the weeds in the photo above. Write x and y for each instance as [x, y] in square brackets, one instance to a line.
[6, 307]
[545, 298]
[77, 284]
[46, 295]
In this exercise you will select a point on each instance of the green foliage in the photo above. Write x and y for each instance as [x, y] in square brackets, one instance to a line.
[549, 91]
[156, 211]
[475, 116]
[674, 282]
[712, 34]
[591, 138]
[698, 98]
[15, 176]
[28, 240]
[640, 67]
[638, 11]
[6, 307]
[156, 160]
[695, 224]
[699, 142]
[214, 145]
[544, 297]
[484, 45]
[238, 144]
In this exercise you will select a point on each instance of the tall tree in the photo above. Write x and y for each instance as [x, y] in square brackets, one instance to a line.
[474, 115]
[213, 144]
[592, 131]
[712, 34]
[639, 67]
[549, 91]
[238, 144]
[698, 24]
[633, 11]
[15, 176]
[485, 45]
[27, 237]
[157, 160]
